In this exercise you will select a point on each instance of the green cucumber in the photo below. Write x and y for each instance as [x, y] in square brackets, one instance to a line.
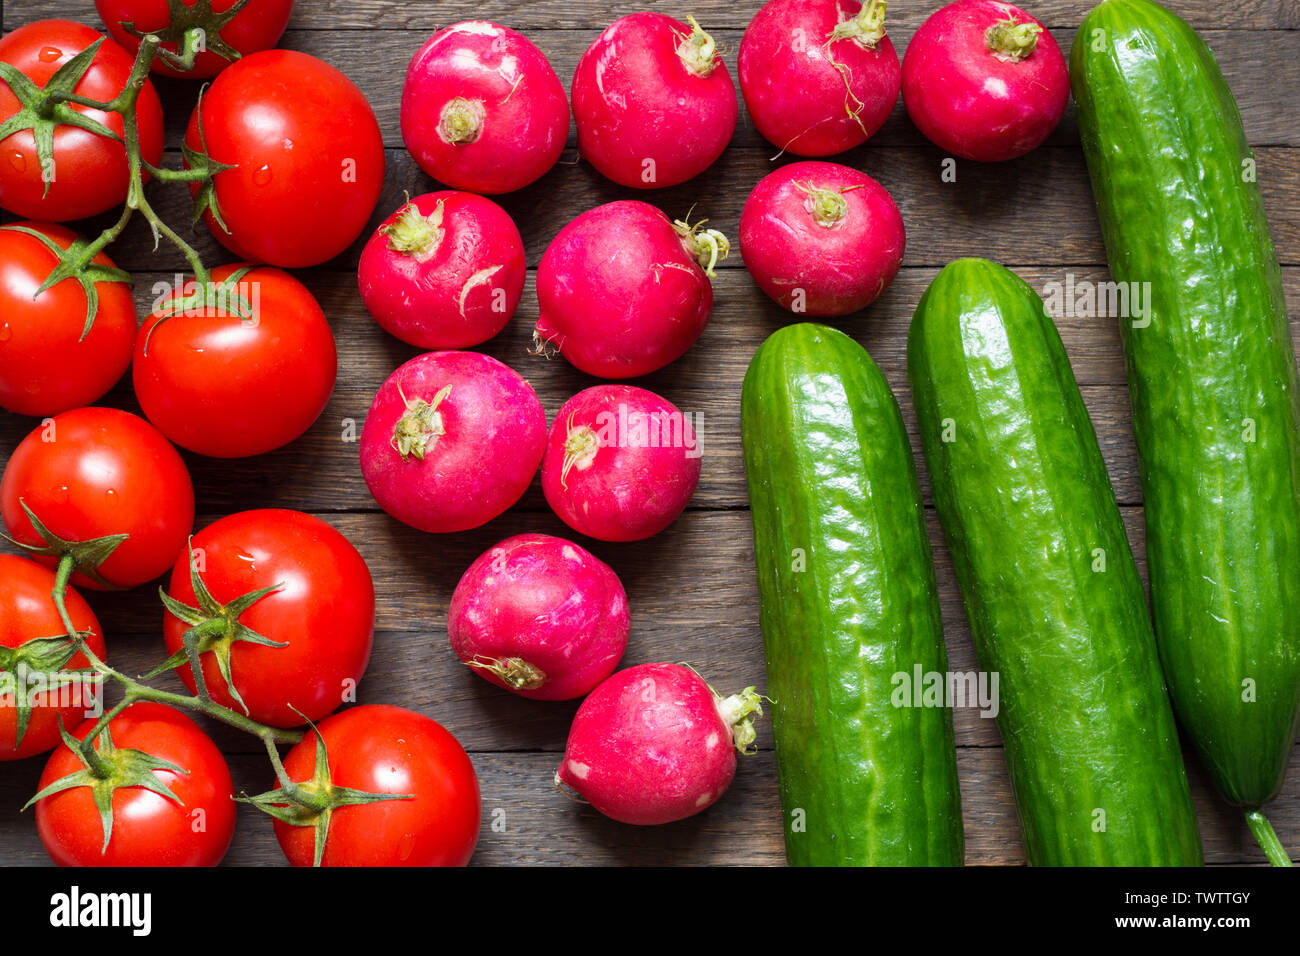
[1055, 604]
[1215, 394]
[848, 603]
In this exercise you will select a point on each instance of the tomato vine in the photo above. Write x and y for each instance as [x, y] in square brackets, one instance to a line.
[105, 767]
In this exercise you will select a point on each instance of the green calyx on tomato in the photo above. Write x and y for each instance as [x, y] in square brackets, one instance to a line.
[44, 657]
[75, 264]
[84, 557]
[203, 295]
[193, 27]
[107, 770]
[200, 164]
[45, 108]
[214, 628]
[313, 802]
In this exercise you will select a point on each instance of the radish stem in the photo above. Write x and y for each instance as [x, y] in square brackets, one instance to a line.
[867, 28]
[1012, 40]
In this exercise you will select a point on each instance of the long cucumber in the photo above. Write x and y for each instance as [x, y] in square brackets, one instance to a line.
[849, 602]
[1055, 603]
[1215, 393]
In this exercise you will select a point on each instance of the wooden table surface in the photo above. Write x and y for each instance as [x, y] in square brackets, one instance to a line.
[692, 588]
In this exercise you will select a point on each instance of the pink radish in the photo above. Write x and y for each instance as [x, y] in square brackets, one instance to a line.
[818, 76]
[482, 109]
[540, 616]
[621, 463]
[821, 238]
[653, 101]
[984, 80]
[623, 291]
[655, 743]
[452, 439]
[443, 272]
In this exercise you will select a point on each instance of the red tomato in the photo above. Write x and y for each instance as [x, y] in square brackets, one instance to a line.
[89, 173]
[46, 367]
[383, 749]
[93, 472]
[308, 158]
[256, 27]
[325, 613]
[148, 828]
[220, 383]
[27, 612]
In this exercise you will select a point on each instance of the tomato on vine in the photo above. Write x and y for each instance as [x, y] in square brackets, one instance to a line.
[103, 490]
[235, 367]
[32, 641]
[280, 609]
[104, 499]
[304, 158]
[66, 345]
[385, 786]
[154, 791]
[231, 28]
[62, 160]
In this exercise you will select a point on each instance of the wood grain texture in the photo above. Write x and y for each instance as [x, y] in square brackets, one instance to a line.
[319, 472]
[1247, 70]
[527, 821]
[692, 589]
[1033, 210]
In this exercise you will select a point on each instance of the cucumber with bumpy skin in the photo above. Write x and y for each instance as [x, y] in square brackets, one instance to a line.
[1215, 394]
[848, 603]
[1055, 603]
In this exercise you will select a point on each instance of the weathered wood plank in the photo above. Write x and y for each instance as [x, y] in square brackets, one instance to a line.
[742, 318]
[1254, 71]
[983, 213]
[539, 826]
[546, 15]
[692, 591]
[319, 472]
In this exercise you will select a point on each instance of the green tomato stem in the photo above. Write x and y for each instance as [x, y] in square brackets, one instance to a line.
[124, 104]
[164, 175]
[97, 764]
[62, 575]
[291, 790]
[134, 690]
